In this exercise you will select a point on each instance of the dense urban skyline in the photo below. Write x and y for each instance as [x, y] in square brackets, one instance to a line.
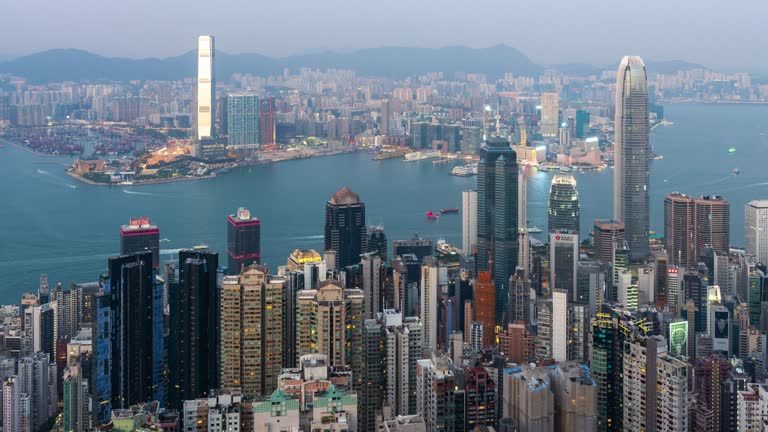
[610, 328]
[706, 38]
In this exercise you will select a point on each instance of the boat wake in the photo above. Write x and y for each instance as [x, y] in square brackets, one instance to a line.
[313, 237]
[43, 172]
[131, 192]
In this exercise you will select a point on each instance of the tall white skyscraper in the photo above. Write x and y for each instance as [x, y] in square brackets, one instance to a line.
[468, 221]
[429, 287]
[756, 229]
[560, 325]
[206, 88]
[11, 392]
[632, 155]
[549, 114]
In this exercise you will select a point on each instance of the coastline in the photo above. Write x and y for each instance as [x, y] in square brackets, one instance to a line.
[29, 150]
[298, 156]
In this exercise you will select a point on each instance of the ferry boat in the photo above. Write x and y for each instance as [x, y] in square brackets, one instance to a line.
[443, 248]
[421, 155]
[449, 210]
[534, 229]
[736, 171]
[389, 154]
[465, 170]
[432, 216]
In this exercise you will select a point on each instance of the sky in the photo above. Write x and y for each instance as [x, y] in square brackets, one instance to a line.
[725, 35]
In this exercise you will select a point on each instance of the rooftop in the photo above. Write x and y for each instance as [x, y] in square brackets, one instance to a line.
[345, 196]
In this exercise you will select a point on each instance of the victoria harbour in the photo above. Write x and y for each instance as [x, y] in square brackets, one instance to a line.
[289, 198]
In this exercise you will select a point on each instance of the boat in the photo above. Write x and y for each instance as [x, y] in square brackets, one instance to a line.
[419, 155]
[564, 169]
[389, 154]
[465, 170]
[432, 216]
[736, 171]
[449, 210]
[534, 229]
[443, 248]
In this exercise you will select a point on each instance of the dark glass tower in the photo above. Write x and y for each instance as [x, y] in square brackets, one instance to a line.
[377, 241]
[497, 215]
[243, 240]
[193, 342]
[139, 236]
[137, 330]
[345, 231]
[563, 206]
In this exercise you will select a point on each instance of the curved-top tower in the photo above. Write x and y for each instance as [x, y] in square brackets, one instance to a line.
[563, 208]
[632, 155]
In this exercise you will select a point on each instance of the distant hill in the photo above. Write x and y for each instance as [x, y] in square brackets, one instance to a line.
[394, 62]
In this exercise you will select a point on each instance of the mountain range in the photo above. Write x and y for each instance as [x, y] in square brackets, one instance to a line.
[393, 62]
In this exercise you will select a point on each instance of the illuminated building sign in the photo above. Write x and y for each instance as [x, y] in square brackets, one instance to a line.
[310, 259]
[678, 338]
[139, 221]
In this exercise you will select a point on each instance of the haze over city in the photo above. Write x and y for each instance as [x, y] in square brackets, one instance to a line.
[559, 31]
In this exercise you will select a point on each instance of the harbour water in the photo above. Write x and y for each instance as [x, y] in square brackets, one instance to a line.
[53, 224]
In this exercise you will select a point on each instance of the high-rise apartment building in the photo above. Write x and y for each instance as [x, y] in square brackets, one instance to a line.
[655, 393]
[632, 155]
[138, 236]
[550, 114]
[329, 320]
[756, 229]
[194, 342]
[267, 120]
[559, 329]
[251, 316]
[243, 240]
[435, 388]
[559, 397]
[563, 208]
[11, 393]
[370, 266]
[345, 230]
[497, 213]
[206, 89]
[468, 221]
[430, 286]
[243, 121]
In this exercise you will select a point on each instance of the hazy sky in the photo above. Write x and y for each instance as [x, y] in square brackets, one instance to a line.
[724, 34]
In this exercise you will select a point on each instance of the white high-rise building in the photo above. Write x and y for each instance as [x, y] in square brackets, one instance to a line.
[632, 156]
[560, 325]
[468, 221]
[429, 290]
[11, 404]
[549, 114]
[206, 88]
[402, 344]
[756, 229]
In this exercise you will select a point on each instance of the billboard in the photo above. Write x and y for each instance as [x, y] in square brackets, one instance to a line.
[720, 329]
[678, 338]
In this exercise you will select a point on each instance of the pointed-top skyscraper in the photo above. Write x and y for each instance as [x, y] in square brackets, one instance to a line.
[345, 230]
[632, 155]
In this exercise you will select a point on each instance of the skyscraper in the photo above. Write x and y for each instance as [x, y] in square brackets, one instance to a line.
[606, 234]
[430, 285]
[194, 339]
[559, 327]
[632, 155]
[468, 221]
[497, 214]
[243, 240]
[485, 307]
[549, 114]
[756, 229]
[345, 230]
[137, 330]
[690, 224]
[267, 120]
[206, 88]
[251, 317]
[563, 206]
[370, 266]
[139, 236]
[386, 117]
[563, 260]
[243, 120]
